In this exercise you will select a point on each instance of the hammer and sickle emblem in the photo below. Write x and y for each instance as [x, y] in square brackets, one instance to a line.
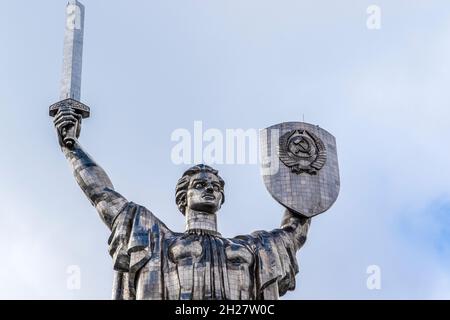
[302, 151]
[299, 145]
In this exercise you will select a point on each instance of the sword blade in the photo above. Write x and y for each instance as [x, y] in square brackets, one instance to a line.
[73, 51]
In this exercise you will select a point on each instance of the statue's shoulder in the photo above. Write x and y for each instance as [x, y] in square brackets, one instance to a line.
[142, 218]
[261, 238]
[250, 240]
[254, 236]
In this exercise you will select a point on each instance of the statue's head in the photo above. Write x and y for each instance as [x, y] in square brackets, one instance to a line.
[201, 189]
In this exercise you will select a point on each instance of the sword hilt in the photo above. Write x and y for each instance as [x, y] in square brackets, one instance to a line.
[75, 105]
[69, 132]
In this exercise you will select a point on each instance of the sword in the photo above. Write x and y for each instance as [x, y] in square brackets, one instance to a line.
[71, 74]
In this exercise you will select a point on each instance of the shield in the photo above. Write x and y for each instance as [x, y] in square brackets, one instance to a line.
[299, 166]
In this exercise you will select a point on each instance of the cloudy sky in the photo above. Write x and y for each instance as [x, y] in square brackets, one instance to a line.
[152, 67]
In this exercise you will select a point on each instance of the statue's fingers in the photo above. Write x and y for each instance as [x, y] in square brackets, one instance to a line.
[57, 120]
[73, 113]
[69, 119]
[66, 111]
[59, 116]
[66, 116]
[66, 121]
[62, 111]
[61, 125]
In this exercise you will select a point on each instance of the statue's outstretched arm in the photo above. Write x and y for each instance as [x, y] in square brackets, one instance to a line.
[91, 178]
[95, 184]
[296, 226]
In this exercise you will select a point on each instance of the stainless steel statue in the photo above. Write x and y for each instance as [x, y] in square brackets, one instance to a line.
[153, 262]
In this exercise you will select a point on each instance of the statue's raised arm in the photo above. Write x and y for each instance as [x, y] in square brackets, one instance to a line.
[91, 178]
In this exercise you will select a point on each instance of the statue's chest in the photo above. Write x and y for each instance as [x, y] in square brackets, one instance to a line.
[200, 267]
[201, 249]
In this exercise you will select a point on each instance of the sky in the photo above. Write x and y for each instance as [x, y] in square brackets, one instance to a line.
[152, 67]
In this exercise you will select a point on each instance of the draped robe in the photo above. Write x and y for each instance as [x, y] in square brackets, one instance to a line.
[153, 262]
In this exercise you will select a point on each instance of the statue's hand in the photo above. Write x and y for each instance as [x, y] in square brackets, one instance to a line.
[292, 217]
[66, 119]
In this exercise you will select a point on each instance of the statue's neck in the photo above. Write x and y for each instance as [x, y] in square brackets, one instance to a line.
[198, 220]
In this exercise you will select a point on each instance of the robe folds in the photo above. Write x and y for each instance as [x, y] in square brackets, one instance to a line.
[153, 262]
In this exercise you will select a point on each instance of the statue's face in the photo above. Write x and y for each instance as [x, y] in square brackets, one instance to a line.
[204, 193]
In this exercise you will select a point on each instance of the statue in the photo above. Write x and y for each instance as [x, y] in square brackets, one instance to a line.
[153, 262]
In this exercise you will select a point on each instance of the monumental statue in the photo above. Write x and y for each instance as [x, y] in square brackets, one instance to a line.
[153, 262]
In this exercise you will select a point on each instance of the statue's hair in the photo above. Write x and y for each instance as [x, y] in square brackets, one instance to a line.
[183, 183]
